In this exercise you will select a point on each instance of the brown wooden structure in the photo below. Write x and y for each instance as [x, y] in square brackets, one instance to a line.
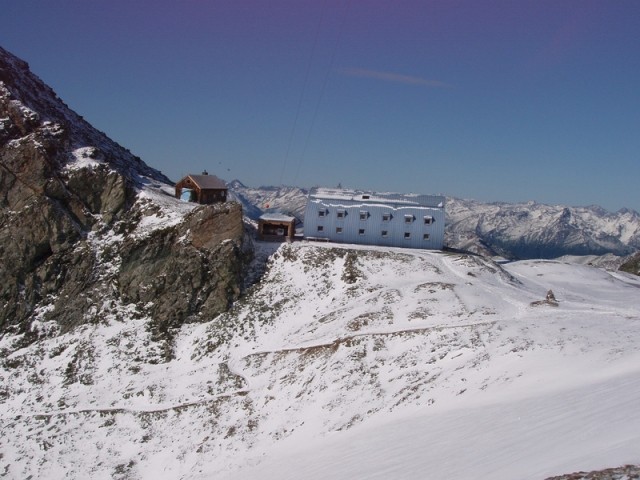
[276, 227]
[205, 188]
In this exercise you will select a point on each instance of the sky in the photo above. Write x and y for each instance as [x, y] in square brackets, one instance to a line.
[487, 100]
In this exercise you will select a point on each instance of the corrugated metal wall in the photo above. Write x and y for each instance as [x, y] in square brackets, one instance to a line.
[368, 224]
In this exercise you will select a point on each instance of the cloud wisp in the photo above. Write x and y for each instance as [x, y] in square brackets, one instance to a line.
[393, 77]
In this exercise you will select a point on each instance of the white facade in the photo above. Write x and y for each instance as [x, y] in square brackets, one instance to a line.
[369, 218]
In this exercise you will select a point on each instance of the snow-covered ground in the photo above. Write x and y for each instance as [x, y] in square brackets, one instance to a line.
[582, 427]
[345, 362]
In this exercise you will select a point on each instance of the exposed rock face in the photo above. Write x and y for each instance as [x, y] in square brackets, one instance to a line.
[73, 208]
[187, 273]
[626, 472]
[632, 264]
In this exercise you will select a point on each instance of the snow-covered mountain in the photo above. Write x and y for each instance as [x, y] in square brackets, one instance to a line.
[32, 110]
[89, 231]
[533, 230]
[256, 201]
[345, 362]
[520, 230]
[128, 351]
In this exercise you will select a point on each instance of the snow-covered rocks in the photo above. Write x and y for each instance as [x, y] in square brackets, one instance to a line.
[345, 362]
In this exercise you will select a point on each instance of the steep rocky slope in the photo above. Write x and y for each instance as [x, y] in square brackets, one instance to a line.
[89, 231]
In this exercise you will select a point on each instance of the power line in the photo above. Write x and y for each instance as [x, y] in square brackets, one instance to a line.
[304, 87]
[324, 85]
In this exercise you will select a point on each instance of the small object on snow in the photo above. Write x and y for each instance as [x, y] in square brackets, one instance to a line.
[549, 300]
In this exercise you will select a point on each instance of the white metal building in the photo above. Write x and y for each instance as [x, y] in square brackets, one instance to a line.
[370, 218]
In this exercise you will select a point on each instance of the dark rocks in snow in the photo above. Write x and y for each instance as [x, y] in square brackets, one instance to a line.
[70, 215]
[626, 472]
[175, 280]
[632, 264]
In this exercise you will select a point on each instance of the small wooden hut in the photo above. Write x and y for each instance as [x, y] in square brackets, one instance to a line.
[204, 189]
[276, 227]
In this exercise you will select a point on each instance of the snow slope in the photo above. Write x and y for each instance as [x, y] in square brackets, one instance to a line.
[588, 426]
[344, 362]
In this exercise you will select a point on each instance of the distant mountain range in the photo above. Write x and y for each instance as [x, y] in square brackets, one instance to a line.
[513, 231]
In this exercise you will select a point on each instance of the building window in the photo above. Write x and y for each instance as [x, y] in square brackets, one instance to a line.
[386, 217]
[341, 213]
[408, 219]
[338, 229]
[407, 234]
[364, 215]
[320, 228]
[425, 236]
[321, 213]
[385, 233]
[428, 220]
[361, 231]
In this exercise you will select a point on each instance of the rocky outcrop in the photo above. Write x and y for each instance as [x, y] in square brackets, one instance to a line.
[187, 273]
[73, 205]
[626, 472]
[632, 264]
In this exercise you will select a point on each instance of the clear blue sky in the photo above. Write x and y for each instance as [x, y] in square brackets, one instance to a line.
[491, 100]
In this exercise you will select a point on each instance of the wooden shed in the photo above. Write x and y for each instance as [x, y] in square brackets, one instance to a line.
[276, 226]
[204, 189]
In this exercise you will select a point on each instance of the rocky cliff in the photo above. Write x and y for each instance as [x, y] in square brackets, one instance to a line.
[90, 233]
[632, 264]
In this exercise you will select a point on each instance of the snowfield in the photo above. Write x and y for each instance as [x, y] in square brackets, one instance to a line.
[344, 362]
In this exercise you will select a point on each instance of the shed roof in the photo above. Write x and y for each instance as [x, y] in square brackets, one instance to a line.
[277, 217]
[208, 182]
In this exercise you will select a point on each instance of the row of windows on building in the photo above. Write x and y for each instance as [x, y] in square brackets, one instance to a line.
[383, 233]
[386, 217]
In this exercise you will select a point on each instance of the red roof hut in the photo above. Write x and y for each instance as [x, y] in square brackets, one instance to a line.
[205, 188]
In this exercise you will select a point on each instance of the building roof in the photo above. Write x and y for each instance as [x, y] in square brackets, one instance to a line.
[348, 196]
[277, 217]
[208, 182]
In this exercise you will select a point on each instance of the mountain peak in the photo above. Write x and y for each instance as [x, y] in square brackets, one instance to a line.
[77, 212]
[30, 107]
